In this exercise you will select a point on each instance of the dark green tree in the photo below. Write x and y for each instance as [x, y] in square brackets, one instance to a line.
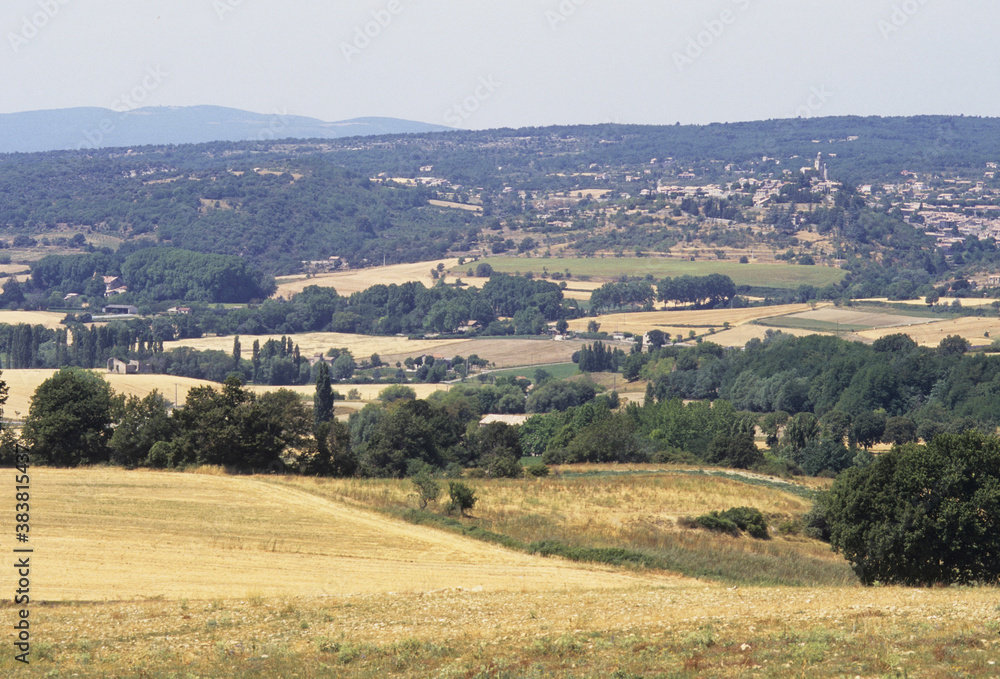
[462, 497]
[144, 422]
[69, 421]
[922, 514]
[323, 399]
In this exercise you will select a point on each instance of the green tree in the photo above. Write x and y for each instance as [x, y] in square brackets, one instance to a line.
[69, 421]
[922, 514]
[427, 488]
[462, 497]
[323, 398]
[237, 352]
[144, 423]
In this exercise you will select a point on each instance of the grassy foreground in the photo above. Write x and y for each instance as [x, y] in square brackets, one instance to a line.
[176, 576]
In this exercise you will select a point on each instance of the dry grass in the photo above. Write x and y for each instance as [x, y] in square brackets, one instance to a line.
[740, 335]
[456, 206]
[853, 317]
[680, 322]
[49, 319]
[360, 346]
[356, 280]
[265, 577]
[23, 383]
[110, 534]
[930, 335]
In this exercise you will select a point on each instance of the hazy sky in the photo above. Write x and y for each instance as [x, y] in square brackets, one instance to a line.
[474, 64]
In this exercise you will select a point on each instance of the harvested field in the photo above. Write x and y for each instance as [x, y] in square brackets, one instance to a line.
[943, 301]
[279, 577]
[110, 534]
[784, 276]
[356, 280]
[23, 383]
[930, 334]
[49, 319]
[360, 346]
[456, 206]
[740, 335]
[680, 630]
[680, 322]
[832, 319]
[504, 353]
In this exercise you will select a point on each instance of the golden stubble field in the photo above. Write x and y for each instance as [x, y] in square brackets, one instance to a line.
[979, 331]
[681, 321]
[156, 575]
[357, 280]
[48, 319]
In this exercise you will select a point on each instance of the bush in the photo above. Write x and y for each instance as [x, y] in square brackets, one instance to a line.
[426, 487]
[462, 497]
[734, 520]
[536, 469]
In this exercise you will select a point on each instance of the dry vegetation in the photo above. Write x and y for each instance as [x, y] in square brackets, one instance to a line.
[48, 319]
[681, 321]
[356, 280]
[979, 331]
[360, 346]
[23, 383]
[157, 575]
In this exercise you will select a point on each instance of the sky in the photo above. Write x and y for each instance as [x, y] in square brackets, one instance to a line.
[477, 65]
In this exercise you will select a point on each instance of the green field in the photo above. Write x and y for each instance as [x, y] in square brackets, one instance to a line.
[781, 276]
[560, 371]
[810, 324]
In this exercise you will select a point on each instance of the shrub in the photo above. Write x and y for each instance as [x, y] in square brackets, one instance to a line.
[462, 497]
[427, 488]
[734, 520]
[536, 469]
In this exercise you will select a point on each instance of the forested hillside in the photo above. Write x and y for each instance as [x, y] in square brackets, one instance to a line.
[278, 203]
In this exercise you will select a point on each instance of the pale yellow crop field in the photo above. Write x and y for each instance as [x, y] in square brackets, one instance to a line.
[931, 334]
[966, 302]
[679, 322]
[741, 334]
[23, 383]
[456, 206]
[356, 280]
[310, 344]
[49, 319]
[110, 534]
[855, 317]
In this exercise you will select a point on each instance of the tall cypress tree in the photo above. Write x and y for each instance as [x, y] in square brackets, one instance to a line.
[323, 400]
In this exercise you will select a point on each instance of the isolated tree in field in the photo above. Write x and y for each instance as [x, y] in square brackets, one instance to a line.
[427, 488]
[69, 421]
[323, 399]
[922, 515]
[462, 497]
[867, 428]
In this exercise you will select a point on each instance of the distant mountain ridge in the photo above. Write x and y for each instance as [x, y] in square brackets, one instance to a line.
[92, 128]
